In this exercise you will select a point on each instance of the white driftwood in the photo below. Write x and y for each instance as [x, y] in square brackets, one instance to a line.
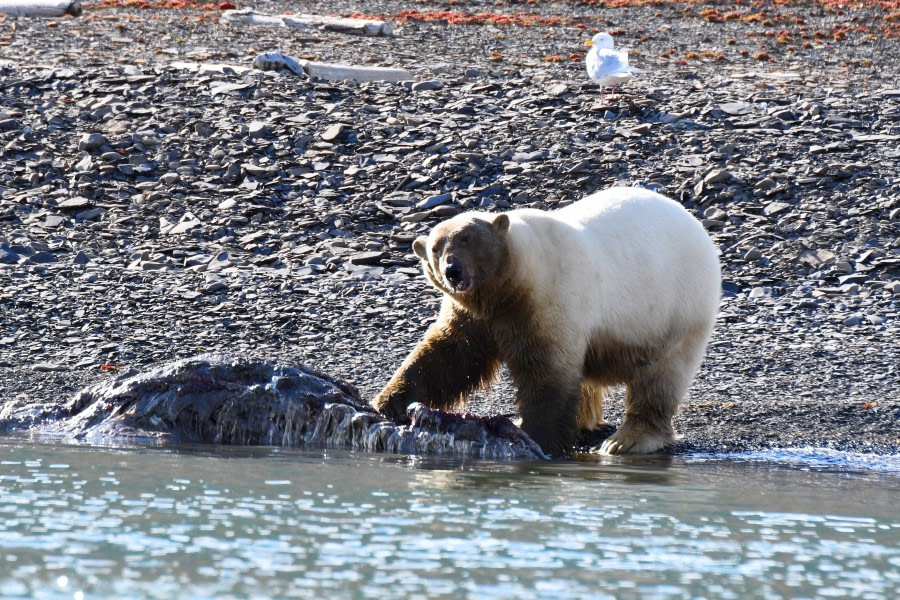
[247, 16]
[275, 61]
[40, 8]
[329, 71]
[358, 73]
[341, 25]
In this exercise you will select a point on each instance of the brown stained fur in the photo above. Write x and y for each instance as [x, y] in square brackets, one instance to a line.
[548, 384]
[457, 356]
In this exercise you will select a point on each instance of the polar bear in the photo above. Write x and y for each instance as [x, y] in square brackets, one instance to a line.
[621, 287]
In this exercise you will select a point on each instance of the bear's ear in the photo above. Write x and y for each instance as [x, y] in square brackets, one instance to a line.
[419, 247]
[500, 224]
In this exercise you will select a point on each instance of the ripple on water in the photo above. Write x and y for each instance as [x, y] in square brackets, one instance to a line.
[273, 523]
[820, 459]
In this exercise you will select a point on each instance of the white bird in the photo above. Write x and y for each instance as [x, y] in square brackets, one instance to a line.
[606, 65]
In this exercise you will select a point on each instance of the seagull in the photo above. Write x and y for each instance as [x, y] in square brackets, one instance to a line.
[606, 65]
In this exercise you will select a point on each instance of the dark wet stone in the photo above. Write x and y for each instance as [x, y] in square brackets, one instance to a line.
[42, 258]
[8, 257]
[427, 86]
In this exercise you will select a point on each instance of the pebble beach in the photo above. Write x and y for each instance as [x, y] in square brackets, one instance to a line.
[160, 198]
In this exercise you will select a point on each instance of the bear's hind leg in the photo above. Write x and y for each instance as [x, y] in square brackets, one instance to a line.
[652, 397]
[650, 403]
[590, 410]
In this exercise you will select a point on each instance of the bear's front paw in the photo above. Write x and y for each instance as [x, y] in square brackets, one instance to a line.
[391, 403]
[635, 438]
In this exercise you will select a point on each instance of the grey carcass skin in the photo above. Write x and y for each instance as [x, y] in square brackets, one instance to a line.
[227, 400]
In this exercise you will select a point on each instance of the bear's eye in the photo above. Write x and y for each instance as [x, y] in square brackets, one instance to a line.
[463, 239]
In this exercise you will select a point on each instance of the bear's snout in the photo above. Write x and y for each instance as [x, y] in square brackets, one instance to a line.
[457, 276]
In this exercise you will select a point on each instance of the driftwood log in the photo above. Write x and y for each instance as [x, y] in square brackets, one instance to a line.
[274, 61]
[41, 8]
[247, 16]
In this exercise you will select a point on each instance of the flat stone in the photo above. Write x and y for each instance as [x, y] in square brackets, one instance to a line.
[521, 157]
[558, 89]
[7, 257]
[736, 108]
[427, 86]
[712, 223]
[76, 202]
[42, 258]
[91, 141]
[785, 115]
[773, 208]
[84, 165]
[445, 211]
[89, 214]
[765, 184]
[368, 258]
[220, 262]
[815, 258]
[184, 227]
[112, 157]
[715, 213]
[258, 130]
[843, 266]
[717, 176]
[433, 201]
[48, 367]
[54, 221]
[752, 254]
[149, 265]
[333, 132]
[642, 129]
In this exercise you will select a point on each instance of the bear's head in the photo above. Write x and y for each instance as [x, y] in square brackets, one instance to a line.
[465, 256]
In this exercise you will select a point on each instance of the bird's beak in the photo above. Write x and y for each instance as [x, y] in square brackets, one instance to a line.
[589, 43]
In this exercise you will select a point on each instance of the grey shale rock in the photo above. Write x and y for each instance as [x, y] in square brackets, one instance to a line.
[91, 141]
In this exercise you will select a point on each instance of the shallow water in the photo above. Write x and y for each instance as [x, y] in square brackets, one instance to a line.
[213, 522]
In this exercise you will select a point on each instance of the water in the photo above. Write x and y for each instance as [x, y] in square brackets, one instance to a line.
[208, 522]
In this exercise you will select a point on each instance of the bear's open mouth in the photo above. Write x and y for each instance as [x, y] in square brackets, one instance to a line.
[460, 282]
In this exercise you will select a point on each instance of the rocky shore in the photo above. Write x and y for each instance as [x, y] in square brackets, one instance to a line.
[152, 208]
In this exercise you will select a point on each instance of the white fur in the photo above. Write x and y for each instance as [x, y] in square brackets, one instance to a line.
[626, 262]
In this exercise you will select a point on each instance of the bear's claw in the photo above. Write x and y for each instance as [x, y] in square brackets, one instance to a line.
[627, 441]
